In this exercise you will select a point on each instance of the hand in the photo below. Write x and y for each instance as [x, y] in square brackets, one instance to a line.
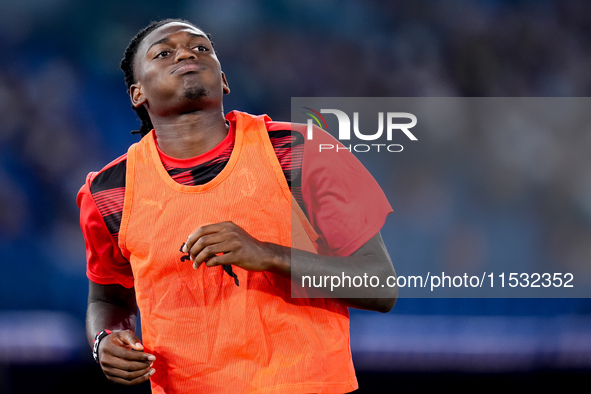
[122, 358]
[228, 243]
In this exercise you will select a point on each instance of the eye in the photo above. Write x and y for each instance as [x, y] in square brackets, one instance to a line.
[162, 54]
[201, 48]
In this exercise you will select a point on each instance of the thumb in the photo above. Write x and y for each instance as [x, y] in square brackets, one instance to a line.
[130, 339]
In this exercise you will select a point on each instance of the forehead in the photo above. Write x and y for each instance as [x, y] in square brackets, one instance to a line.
[165, 31]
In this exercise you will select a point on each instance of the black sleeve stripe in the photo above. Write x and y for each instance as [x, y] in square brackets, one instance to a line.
[111, 178]
[113, 222]
[108, 192]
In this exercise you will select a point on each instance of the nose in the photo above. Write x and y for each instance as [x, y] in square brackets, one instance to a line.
[184, 53]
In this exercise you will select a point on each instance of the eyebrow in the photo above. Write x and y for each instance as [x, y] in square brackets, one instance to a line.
[166, 39]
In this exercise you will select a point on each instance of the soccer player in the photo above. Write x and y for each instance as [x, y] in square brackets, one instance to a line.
[204, 224]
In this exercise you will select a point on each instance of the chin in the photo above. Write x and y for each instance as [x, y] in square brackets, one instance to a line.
[195, 93]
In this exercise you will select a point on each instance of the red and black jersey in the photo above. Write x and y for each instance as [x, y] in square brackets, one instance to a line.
[108, 186]
[342, 201]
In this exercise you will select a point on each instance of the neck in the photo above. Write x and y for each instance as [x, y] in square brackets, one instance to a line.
[191, 134]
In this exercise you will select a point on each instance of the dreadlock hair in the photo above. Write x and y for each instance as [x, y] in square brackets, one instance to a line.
[127, 67]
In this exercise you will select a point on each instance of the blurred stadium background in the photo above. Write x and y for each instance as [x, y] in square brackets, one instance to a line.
[64, 112]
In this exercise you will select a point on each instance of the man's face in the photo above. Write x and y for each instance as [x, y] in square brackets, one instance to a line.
[177, 71]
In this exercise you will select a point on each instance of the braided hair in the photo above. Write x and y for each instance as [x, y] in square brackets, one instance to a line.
[127, 67]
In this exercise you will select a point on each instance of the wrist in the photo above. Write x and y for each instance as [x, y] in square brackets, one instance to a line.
[97, 341]
[280, 259]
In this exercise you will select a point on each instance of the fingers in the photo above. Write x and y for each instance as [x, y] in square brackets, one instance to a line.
[122, 359]
[129, 338]
[128, 354]
[218, 259]
[227, 243]
[209, 241]
[212, 251]
[128, 377]
[203, 231]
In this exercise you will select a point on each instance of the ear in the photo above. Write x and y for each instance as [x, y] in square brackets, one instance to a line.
[225, 85]
[137, 95]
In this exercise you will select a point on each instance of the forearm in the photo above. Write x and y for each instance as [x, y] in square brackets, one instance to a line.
[120, 354]
[101, 315]
[333, 276]
[110, 307]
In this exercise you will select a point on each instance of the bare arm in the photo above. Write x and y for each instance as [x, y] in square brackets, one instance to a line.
[110, 307]
[371, 260]
[227, 243]
[121, 356]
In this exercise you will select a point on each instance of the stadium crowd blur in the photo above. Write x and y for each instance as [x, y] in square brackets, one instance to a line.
[64, 112]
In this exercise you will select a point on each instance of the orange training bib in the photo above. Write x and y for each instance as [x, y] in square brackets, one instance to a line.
[209, 335]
